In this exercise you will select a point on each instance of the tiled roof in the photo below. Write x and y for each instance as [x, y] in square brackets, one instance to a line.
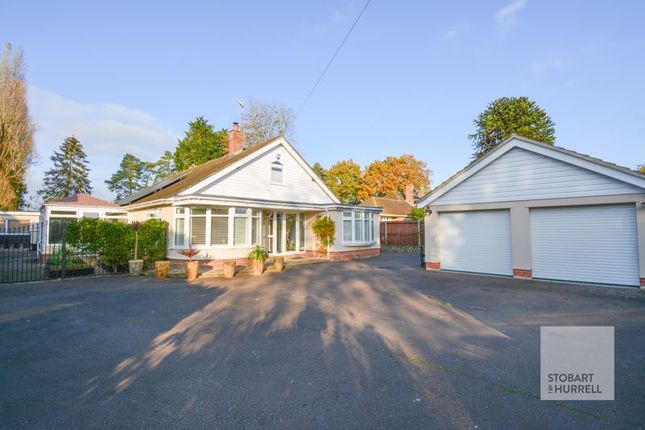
[391, 206]
[82, 200]
[187, 178]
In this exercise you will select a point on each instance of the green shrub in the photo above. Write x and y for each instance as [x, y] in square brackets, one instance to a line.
[258, 254]
[114, 242]
[152, 240]
[325, 230]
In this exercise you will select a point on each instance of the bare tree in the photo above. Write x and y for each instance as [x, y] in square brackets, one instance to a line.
[264, 121]
[16, 129]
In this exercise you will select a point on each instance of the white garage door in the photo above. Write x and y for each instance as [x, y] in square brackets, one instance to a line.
[477, 241]
[586, 244]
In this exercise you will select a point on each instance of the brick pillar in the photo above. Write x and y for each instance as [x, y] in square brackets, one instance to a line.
[433, 265]
[522, 273]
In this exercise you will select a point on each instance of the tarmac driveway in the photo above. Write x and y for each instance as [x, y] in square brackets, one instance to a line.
[375, 343]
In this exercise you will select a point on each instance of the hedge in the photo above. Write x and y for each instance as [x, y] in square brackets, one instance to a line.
[113, 241]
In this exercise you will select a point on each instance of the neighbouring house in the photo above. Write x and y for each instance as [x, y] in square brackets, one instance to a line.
[56, 214]
[531, 210]
[263, 194]
[17, 228]
[396, 207]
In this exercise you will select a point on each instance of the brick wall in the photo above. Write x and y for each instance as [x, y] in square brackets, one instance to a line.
[433, 265]
[359, 253]
[522, 273]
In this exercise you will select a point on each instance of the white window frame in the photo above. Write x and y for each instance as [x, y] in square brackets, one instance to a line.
[358, 216]
[231, 215]
[278, 167]
[176, 216]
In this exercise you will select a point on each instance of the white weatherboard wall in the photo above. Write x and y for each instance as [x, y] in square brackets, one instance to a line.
[253, 181]
[586, 244]
[525, 175]
[476, 241]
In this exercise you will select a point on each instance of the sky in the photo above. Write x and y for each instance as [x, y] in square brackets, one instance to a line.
[412, 77]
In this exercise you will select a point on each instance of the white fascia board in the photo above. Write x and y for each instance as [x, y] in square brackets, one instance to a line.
[278, 142]
[228, 201]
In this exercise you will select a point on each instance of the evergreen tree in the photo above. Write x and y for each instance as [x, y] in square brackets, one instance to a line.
[164, 167]
[201, 144]
[130, 177]
[508, 115]
[70, 172]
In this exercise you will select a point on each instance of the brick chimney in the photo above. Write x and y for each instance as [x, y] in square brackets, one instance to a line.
[409, 194]
[235, 139]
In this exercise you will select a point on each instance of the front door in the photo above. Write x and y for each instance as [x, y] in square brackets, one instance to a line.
[283, 232]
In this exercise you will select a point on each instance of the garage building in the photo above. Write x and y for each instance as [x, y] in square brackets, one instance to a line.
[532, 210]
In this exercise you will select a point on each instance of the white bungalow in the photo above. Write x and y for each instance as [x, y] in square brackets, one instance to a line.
[262, 194]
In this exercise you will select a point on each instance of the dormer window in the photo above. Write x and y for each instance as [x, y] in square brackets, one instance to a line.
[277, 174]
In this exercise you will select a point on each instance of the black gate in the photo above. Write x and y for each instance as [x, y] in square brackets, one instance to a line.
[39, 251]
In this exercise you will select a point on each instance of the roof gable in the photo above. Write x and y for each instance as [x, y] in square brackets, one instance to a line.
[522, 169]
[251, 179]
[197, 179]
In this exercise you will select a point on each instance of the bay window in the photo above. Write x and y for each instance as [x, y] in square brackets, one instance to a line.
[358, 227]
[216, 227]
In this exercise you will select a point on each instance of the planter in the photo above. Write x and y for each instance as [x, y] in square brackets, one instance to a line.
[278, 264]
[135, 266]
[229, 269]
[161, 269]
[258, 267]
[192, 270]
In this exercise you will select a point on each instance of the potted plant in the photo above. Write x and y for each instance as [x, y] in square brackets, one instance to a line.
[229, 269]
[257, 257]
[136, 265]
[278, 264]
[192, 267]
[162, 267]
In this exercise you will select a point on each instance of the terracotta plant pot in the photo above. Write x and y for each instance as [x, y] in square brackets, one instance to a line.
[258, 267]
[161, 269]
[192, 270]
[136, 267]
[229, 269]
[278, 264]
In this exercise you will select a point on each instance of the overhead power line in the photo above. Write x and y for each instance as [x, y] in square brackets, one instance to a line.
[332, 58]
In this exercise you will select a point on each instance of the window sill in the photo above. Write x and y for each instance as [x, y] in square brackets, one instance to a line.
[350, 244]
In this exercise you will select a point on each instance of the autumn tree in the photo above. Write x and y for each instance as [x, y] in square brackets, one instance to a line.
[129, 178]
[344, 179]
[265, 121]
[16, 129]
[200, 144]
[69, 174]
[508, 115]
[392, 175]
[641, 169]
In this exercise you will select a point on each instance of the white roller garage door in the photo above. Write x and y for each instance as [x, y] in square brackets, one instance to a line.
[476, 241]
[585, 244]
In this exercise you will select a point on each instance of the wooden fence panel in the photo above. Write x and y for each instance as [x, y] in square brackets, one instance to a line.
[402, 233]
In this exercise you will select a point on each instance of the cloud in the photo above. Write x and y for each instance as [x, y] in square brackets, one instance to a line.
[506, 15]
[552, 65]
[106, 130]
[458, 29]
